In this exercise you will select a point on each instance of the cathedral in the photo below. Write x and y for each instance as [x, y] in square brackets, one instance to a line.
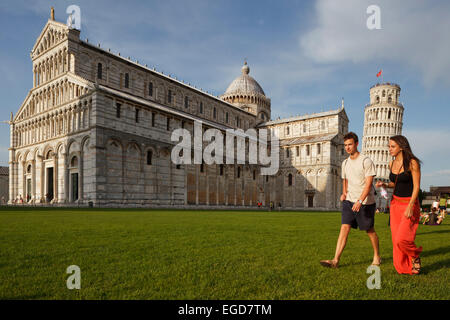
[95, 129]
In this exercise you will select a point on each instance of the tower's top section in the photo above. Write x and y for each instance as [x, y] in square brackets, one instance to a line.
[385, 93]
[385, 84]
[52, 14]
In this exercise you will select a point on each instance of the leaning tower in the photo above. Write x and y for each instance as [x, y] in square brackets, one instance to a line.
[383, 118]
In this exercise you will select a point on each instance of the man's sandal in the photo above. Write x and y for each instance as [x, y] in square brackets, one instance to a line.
[329, 264]
[415, 262]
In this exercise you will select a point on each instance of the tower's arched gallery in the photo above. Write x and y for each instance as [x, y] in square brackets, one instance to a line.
[96, 127]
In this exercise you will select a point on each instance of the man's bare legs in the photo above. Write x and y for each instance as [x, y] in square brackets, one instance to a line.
[342, 241]
[376, 248]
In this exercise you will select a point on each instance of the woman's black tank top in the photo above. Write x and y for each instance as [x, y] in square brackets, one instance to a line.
[404, 186]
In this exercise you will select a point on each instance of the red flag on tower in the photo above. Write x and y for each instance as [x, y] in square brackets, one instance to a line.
[379, 73]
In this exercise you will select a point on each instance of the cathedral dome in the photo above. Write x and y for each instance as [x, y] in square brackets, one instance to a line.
[244, 84]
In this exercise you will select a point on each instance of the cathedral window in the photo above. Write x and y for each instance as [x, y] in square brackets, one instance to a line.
[49, 155]
[168, 124]
[118, 110]
[186, 102]
[254, 174]
[307, 150]
[136, 115]
[214, 112]
[226, 117]
[221, 169]
[201, 107]
[287, 152]
[153, 119]
[297, 149]
[389, 114]
[127, 80]
[99, 71]
[202, 168]
[239, 172]
[74, 162]
[287, 130]
[169, 96]
[290, 179]
[149, 157]
[318, 148]
[304, 128]
[29, 168]
[150, 89]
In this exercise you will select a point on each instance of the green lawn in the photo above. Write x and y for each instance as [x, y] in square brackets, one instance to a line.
[169, 254]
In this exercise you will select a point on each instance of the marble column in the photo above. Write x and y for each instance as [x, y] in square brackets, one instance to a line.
[66, 198]
[80, 176]
[55, 177]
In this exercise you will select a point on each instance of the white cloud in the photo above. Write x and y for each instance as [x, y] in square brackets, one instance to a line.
[414, 33]
[438, 173]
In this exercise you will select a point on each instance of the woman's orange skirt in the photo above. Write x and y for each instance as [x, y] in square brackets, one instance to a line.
[403, 232]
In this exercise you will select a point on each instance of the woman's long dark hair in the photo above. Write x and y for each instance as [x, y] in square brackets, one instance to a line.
[408, 155]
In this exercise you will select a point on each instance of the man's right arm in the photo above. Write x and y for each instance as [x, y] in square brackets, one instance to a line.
[344, 181]
[344, 189]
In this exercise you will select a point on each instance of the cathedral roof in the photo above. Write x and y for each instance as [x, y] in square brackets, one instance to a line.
[170, 110]
[304, 117]
[244, 84]
[308, 139]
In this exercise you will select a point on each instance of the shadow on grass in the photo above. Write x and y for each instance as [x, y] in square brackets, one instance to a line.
[435, 266]
[442, 250]
[384, 260]
[437, 231]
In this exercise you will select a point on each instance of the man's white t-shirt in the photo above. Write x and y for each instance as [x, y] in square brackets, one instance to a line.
[356, 171]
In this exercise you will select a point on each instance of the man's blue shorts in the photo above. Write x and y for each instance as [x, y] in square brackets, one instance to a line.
[364, 218]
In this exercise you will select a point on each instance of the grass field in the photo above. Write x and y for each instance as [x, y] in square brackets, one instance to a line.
[169, 254]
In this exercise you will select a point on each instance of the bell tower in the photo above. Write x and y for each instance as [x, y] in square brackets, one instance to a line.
[383, 118]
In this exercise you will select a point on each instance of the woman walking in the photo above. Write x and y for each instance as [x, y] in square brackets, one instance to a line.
[405, 209]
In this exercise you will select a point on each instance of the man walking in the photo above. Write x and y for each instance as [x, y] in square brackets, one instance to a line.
[358, 200]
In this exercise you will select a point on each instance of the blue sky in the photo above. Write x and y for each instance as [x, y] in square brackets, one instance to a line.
[306, 55]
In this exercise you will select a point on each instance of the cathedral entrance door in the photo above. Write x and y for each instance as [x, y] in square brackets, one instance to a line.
[74, 186]
[28, 189]
[49, 194]
[310, 201]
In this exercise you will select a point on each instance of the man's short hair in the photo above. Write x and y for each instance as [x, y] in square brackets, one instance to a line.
[351, 135]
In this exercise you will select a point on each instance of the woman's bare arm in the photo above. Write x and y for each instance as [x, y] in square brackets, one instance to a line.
[415, 171]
